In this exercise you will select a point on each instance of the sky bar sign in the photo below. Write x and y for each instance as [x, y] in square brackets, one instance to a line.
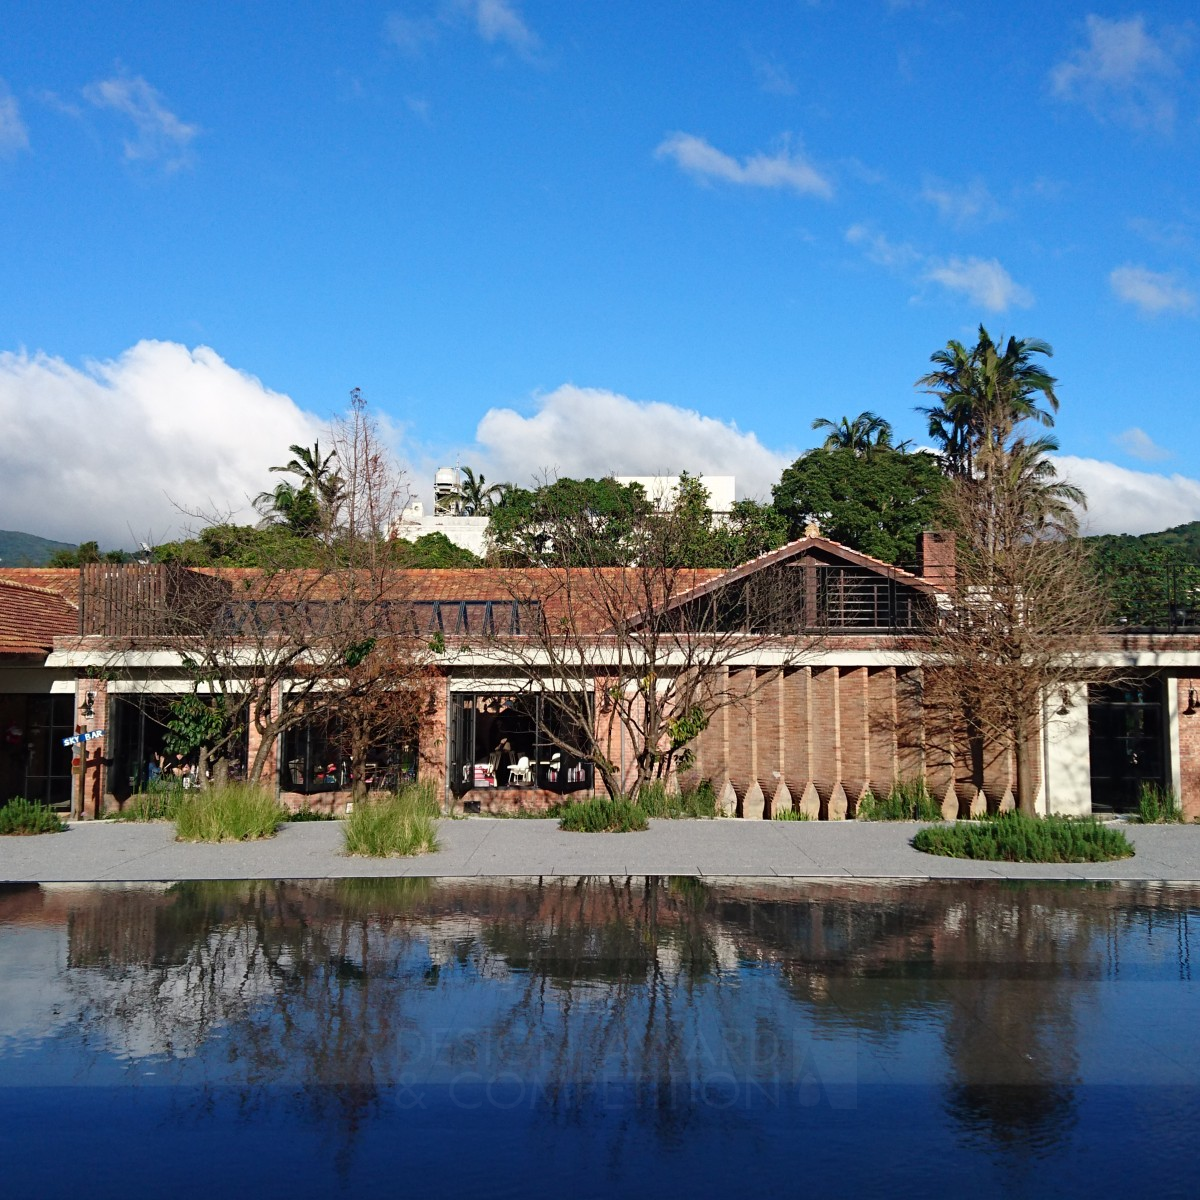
[77, 739]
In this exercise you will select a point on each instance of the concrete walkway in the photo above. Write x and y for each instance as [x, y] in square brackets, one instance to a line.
[109, 851]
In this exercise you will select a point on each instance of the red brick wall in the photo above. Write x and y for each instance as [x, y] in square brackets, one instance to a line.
[855, 730]
[1189, 747]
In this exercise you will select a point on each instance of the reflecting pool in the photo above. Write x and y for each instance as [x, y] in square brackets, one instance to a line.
[597, 1037]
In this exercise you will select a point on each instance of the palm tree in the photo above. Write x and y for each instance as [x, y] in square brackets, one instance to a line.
[1047, 505]
[317, 475]
[983, 394]
[476, 495]
[866, 432]
[293, 506]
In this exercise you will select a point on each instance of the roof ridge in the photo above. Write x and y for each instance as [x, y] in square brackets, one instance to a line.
[33, 587]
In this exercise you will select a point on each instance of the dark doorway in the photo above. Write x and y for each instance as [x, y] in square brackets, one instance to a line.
[33, 761]
[1127, 742]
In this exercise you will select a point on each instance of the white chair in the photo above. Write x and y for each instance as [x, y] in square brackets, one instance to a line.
[520, 771]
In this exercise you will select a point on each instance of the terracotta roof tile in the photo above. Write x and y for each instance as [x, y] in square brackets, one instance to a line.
[31, 617]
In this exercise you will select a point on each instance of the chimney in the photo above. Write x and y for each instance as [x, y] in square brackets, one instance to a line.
[935, 557]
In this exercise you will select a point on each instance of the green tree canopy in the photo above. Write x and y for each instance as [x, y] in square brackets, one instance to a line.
[432, 550]
[615, 520]
[1146, 582]
[88, 552]
[876, 503]
[600, 513]
[270, 547]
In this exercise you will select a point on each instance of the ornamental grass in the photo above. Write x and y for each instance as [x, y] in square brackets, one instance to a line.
[908, 800]
[699, 802]
[1158, 805]
[231, 812]
[159, 802]
[390, 826]
[1011, 837]
[24, 818]
[599, 814]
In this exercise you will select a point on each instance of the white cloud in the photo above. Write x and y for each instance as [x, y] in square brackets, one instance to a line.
[159, 134]
[589, 432]
[1122, 72]
[784, 169]
[1139, 444]
[969, 205]
[497, 22]
[983, 281]
[13, 134]
[1125, 501]
[878, 249]
[111, 450]
[1151, 291]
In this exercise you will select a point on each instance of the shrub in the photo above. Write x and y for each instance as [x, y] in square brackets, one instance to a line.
[655, 801]
[231, 812]
[1011, 837]
[599, 814]
[22, 818]
[909, 800]
[390, 825]
[1158, 805]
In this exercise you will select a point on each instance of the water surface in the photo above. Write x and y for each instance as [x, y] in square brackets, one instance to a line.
[596, 1037]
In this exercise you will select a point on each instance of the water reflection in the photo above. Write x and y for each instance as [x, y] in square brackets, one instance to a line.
[636, 1022]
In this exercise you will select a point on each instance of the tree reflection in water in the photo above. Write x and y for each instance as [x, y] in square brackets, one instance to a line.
[664, 1005]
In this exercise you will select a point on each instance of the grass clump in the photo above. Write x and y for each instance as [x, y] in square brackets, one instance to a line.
[790, 814]
[1011, 837]
[23, 818]
[387, 826]
[909, 800]
[305, 813]
[599, 814]
[154, 804]
[698, 802]
[232, 812]
[1158, 805]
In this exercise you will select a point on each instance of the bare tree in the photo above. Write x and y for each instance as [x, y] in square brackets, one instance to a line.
[287, 646]
[1023, 618]
[636, 655]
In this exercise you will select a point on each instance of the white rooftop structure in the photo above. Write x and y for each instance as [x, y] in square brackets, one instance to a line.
[471, 532]
[663, 488]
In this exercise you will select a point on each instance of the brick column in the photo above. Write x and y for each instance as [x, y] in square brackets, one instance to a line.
[1188, 724]
[433, 738]
[91, 755]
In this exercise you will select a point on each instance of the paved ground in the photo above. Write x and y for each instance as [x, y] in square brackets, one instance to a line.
[480, 846]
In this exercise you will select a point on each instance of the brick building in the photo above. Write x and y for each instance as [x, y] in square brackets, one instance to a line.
[822, 712]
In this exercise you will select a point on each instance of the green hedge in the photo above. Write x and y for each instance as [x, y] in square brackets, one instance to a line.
[1011, 837]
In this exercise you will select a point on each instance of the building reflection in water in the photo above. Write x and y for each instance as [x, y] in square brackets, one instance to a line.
[631, 1008]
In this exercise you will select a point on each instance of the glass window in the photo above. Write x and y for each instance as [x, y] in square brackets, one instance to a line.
[137, 746]
[514, 740]
[316, 758]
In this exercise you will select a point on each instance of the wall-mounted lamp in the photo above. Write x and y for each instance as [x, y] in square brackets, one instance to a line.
[88, 707]
[1191, 709]
[1064, 705]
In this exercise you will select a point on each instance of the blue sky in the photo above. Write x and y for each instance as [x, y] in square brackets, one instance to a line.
[578, 235]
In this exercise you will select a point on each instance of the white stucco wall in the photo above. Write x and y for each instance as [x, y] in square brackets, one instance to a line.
[1067, 786]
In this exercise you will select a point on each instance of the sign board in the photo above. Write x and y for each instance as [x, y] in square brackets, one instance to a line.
[78, 738]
